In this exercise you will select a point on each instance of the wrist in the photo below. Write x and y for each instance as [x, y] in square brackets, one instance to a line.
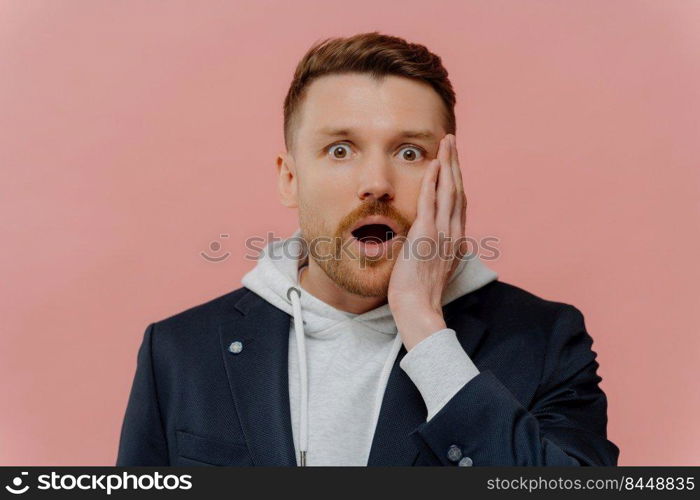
[405, 305]
[417, 324]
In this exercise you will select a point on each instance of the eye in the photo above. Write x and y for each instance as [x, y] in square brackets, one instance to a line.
[339, 151]
[412, 157]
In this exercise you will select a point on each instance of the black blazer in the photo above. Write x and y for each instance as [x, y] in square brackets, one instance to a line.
[535, 402]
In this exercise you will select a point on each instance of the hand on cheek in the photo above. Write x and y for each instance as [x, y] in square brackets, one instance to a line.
[436, 243]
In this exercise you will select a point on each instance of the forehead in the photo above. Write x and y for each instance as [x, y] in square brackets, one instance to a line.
[360, 102]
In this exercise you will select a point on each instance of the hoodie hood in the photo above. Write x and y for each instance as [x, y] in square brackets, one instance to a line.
[277, 270]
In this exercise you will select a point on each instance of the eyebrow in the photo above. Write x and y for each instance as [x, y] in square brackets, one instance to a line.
[412, 134]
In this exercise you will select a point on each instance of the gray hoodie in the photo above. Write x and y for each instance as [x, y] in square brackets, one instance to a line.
[339, 362]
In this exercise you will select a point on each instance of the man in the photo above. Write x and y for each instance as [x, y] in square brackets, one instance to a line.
[370, 337]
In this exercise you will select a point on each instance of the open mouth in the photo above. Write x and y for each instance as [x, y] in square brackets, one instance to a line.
[375, 233]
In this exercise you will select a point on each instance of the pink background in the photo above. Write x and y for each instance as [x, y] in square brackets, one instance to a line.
[134, 133]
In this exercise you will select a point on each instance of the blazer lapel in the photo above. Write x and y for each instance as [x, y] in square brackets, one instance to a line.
[403, 408]
[258, 378]
[402, 411]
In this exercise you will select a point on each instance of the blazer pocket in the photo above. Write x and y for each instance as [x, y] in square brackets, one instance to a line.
[198, 450]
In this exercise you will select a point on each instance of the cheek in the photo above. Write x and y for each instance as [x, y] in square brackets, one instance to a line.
[407, 192]
[327, 190]
[325, 200]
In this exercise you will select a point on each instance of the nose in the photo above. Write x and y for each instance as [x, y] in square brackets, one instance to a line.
[375, 181]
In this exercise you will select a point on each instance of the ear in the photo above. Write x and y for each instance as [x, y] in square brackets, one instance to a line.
[287, 180]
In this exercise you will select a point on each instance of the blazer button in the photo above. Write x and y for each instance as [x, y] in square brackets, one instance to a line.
[465, 462]
[235, 347]
[454, 453]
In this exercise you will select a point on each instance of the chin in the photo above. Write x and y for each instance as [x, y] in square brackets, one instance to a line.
[368, 280]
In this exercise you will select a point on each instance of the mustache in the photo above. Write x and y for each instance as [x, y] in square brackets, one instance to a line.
[374, 207]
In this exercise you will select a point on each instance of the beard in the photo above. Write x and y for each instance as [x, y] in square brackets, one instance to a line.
[343, 264]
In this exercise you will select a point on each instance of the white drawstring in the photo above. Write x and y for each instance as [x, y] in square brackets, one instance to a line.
[301, 352]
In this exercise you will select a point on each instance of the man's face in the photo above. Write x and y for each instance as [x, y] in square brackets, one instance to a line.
[361, 147]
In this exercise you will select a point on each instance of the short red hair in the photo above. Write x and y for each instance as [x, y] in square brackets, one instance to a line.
[375, 54]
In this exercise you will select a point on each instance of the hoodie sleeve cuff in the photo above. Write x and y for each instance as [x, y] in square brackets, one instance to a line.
[439, 367]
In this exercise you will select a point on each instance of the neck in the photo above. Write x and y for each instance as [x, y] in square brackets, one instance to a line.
[315, 281]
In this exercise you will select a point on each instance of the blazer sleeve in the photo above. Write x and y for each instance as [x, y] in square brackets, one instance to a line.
[485, 425]
[142, 440]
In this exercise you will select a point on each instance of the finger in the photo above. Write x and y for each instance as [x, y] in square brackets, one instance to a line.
[456, 170]
[446, 188]
[457, 176]
[456, 227]
[456, 214]
[460, 181]
[426, 197]
[461, 202]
